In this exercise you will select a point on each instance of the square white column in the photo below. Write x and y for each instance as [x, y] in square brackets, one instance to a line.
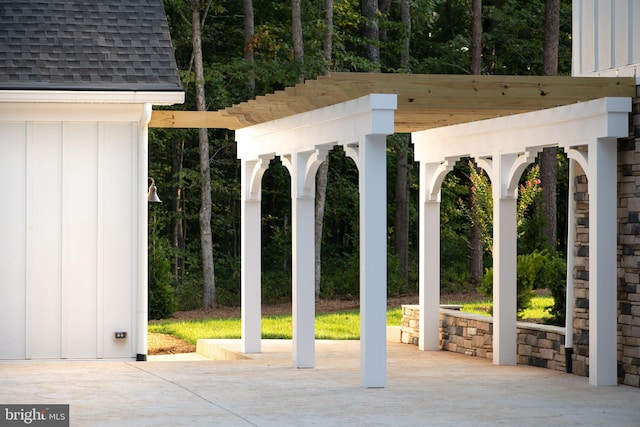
[602, 262]
[373, 261]
[251, 264]
[429, 268]
[303, 266]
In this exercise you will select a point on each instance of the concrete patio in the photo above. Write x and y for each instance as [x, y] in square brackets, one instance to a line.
[424, 388]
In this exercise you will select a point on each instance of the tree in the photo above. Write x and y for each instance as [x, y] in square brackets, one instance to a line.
[405, 17]
[206, 238]
[298, 46]
[548, 157]
[323, 170]
[371, 32]
[475, 241]
[476, 37]
[402, 206]
[249, 25]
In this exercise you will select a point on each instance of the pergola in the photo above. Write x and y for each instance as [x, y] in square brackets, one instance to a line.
[503, 122]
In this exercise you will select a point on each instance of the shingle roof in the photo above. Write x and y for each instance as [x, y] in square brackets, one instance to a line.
[86, 45]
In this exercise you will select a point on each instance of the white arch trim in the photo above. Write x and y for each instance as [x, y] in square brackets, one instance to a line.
[499, 145]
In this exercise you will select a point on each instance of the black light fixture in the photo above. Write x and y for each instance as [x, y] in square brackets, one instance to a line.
[152, 193]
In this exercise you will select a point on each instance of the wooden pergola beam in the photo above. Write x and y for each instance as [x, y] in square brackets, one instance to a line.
[425, 101]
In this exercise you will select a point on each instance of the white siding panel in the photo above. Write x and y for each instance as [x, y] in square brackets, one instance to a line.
[604, 34]
[44, 248]
[606, 37]
[634, 39]
[79, 241]
[119, 149]
[588, 43]
[621, 31]
[12, 240]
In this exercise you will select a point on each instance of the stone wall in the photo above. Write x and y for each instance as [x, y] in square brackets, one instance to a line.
[472, 334]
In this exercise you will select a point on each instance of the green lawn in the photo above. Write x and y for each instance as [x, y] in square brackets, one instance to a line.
[343, 325]
[537, 309]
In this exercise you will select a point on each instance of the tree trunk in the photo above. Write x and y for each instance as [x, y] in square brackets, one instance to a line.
[298, 46]
[321, 176]
[206, 239]
[551, 37]
[405, 17]
[177, 154]
[402, 207]
[476, 37]
[371, 32]
[548, 160]
[476, 251]
[384, 6]
[248, 44]
[321, 198]
[328, 35]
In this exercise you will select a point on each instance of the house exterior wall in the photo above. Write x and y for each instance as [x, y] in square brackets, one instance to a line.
[68, 272]
[606, 38]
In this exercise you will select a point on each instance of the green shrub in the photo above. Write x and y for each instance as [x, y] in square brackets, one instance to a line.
[162, 301]
[537, 270]
[556, 279]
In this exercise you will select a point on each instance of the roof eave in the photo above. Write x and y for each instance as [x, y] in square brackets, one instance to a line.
[93, 97]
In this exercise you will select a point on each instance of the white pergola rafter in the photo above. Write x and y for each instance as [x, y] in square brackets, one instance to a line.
[302, 142]
[504, 147]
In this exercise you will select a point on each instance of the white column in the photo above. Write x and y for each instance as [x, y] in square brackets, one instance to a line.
[373, 260]
[431, 176]
[504, 281]
[429, 328]
[571, 221]
[602, 262]
[303, 262]
[143, 222]
[504, 178]
[251, 251]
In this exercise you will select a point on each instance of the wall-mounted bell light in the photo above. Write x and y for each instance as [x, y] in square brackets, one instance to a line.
[152, 193]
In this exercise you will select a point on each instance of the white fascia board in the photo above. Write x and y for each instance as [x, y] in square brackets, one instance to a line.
[341, 123]
[569, 125]
[91, 97]
[67, 112]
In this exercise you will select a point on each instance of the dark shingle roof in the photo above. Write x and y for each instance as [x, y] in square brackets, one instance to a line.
[86, 45]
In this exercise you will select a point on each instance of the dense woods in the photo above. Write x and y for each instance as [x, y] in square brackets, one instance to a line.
[229, 51]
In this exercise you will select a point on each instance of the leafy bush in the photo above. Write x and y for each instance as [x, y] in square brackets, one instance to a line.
[162, 301]
[556, 279]
[537, 270]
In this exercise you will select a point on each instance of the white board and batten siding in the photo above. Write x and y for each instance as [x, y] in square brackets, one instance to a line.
[606, 38]
[68, 223]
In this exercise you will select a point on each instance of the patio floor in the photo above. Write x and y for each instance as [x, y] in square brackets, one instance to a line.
[423, 388]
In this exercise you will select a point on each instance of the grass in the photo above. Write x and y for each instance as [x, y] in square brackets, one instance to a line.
[537, 309]
[342, 325]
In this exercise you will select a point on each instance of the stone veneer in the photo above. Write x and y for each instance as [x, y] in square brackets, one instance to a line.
[472, 334]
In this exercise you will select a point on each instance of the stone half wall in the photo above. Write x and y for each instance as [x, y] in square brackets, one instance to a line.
[472, 335]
